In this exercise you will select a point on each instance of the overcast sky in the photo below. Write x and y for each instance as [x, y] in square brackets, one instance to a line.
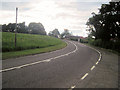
[60, 14]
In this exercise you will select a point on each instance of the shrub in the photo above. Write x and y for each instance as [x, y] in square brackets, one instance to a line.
[107, 44]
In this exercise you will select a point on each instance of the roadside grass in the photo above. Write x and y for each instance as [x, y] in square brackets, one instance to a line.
[108, 50]
[109, 46]
[28, 44]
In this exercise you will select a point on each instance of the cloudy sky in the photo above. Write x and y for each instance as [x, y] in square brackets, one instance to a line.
[60, 14]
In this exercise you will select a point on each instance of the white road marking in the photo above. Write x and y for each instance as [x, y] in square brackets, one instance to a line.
[98, 53]
[47, 60]
[8, 69]
[92, 68]
[97, 62]
[99, 58]
[23, 66]
[66, 54]
[72, 87]
[84, 76]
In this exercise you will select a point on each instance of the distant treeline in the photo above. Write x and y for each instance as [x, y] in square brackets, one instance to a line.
[32, 28]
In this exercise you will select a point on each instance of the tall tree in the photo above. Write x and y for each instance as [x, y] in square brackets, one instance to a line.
[37, 28]
[106, 24]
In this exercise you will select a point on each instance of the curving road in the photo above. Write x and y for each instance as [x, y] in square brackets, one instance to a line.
[58, 69]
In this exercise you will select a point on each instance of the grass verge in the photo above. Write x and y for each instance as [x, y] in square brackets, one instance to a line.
[28, 44]
[108, 50]
[6, 55]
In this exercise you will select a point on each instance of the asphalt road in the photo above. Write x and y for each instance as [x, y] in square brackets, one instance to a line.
[58, 69]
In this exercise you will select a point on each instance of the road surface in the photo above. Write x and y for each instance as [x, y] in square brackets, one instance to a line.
[58, 69]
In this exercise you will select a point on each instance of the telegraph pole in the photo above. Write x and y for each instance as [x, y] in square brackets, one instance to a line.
[16, 28]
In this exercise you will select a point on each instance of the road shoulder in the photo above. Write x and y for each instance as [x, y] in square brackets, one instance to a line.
[104, 75]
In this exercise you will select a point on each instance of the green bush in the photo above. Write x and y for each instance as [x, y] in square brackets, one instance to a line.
[83, 40]
[74, 39]
[107, 44]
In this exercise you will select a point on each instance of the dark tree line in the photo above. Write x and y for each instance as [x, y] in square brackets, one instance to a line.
[32, 28]
[106, 24]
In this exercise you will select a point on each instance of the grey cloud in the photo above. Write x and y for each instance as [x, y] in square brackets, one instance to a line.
[10, 6]
[66, 4]
[78, 26]
[65, 15]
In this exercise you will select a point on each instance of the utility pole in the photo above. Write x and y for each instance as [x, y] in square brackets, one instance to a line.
[16, 28]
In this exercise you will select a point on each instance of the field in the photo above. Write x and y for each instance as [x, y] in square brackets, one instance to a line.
[28, 44]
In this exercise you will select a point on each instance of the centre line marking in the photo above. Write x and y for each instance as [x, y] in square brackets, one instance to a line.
[72, 87]
[84, 76]
[92, 68]
[97, 62]
[48, 60]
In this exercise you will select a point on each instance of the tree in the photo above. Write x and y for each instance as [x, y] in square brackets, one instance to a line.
[36, 28]
[22, 28]
[66, 33]
[54, 33]
[11, 27]
[0, 28]
[33, 28]
[4, 28]
[106, 24]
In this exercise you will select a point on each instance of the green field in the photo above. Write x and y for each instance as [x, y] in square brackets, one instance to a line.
[28, 44]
